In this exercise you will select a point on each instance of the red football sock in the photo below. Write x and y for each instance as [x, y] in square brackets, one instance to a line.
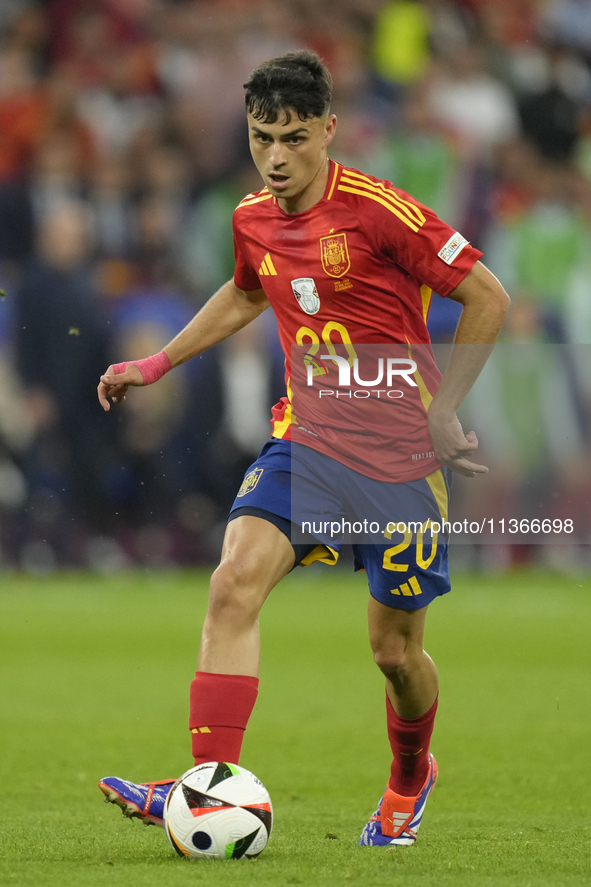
[409, 741]
[221, 705]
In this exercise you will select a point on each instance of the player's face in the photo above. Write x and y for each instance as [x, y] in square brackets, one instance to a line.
[291, 157]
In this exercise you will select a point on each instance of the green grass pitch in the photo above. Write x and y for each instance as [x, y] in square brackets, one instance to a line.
[95, 676]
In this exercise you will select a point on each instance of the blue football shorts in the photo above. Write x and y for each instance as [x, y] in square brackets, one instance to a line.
[406, 569]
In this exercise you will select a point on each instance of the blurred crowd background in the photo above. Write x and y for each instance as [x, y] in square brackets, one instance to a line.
[123, 153]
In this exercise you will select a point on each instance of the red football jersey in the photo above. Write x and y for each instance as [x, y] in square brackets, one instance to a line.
[358, 268]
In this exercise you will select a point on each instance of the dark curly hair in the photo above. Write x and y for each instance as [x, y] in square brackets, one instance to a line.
[297, 81]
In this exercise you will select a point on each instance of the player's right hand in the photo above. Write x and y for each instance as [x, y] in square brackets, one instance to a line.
[114, 385]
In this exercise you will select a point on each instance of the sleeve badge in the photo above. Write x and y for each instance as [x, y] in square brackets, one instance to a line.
[452, 248]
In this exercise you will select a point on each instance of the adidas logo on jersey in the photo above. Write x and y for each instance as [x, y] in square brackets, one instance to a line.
[267, 267]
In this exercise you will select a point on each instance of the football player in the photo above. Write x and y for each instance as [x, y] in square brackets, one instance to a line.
[345, 260]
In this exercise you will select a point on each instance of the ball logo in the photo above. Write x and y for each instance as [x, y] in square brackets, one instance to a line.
[304, 289]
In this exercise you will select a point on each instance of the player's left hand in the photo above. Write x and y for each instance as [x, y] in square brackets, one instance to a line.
[452, 446]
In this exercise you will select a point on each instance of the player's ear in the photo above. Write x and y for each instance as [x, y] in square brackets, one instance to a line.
[330, 129]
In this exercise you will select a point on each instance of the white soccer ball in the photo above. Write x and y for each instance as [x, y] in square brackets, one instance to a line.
[218, 811]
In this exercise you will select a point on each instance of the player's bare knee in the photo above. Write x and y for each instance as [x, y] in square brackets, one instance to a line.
[234, 593]
[396, 661]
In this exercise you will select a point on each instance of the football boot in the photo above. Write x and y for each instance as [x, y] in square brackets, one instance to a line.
[398, 818]
[145, 799]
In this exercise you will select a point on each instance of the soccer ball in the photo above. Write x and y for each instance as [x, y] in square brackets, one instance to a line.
[218, 811]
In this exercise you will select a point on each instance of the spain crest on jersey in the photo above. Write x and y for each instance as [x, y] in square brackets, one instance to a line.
[250, 481]
[334, 253]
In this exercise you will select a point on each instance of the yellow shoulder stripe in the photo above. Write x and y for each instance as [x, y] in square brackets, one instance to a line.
[363, 178]
[412, 211]
[337, 166]
[381, 200]
[251, 198]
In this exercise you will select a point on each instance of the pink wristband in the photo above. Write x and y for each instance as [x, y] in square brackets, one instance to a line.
[151, 368]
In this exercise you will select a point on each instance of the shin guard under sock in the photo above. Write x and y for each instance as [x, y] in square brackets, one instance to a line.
[220, 707]
[409, 741]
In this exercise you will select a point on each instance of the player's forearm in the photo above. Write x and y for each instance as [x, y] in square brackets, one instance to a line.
[228, 311]
[485, 307]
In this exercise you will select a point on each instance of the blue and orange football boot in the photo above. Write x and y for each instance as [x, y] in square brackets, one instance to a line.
[145, 799]
[398, 819]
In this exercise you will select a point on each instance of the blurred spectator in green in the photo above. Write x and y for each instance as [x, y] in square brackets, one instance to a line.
[424, 159]
[542, 248]
[205, 245]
